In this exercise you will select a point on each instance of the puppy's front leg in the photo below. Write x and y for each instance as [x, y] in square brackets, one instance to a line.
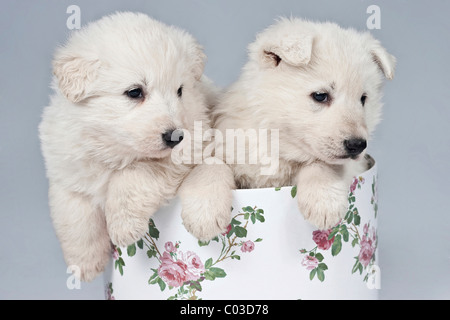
[206, 198]
[322, 192]
[81, 229]
[132, 199]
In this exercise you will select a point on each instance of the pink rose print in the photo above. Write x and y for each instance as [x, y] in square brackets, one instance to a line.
[195, 266]
[170, 247]
[248, 246]
[367, 251]
[320, 237]
[184, 272]
[368, 245]
[175, 272]
[310, 262]
[172, 272]
[227, 231]
[366, 228]
[354, 184]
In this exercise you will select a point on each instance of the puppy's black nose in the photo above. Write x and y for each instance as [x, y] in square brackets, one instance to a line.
[173, 137]
[355, 146]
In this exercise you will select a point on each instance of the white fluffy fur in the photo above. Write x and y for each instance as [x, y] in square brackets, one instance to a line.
[107, 166]
[287, 62]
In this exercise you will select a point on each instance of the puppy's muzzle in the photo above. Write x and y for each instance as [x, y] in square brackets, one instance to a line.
[172, 137]
[354, 147]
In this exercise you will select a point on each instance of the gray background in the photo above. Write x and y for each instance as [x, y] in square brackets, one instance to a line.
[412, 144]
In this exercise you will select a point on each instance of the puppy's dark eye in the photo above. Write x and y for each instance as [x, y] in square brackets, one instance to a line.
[321, 97]
[135, 93]
[180, 92]
[363, 99]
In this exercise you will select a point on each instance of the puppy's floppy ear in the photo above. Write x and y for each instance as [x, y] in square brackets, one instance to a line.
[293, 49]
[383, 59]
[74, 74]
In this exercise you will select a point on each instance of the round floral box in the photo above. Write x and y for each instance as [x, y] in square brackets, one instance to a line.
[268, 252]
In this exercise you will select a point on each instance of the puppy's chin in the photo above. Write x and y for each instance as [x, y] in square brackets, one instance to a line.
[342, 159]
[158, 154]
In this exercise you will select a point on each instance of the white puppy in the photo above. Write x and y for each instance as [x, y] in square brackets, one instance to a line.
[124, 86]
[320, 86]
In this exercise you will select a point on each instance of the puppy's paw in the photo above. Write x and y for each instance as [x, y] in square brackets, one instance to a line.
[89, 270]
[205, 219]
[88, 263]
[206, 203]
[323, 208]
[126, 231]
